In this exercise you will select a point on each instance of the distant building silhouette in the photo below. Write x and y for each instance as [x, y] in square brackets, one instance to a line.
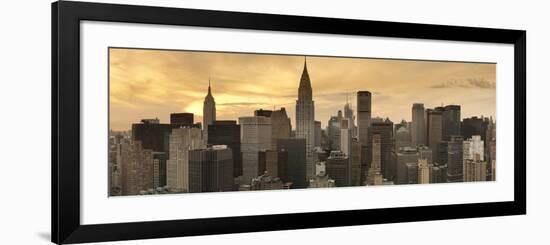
[364, 99]
[208, 111]
[418, 125]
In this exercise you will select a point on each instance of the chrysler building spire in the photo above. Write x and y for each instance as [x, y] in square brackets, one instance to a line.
[305, 118]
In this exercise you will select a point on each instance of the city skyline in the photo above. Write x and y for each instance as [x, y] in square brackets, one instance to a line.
[154, 83]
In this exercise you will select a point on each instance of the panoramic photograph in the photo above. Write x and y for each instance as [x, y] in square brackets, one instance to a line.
[201, 121]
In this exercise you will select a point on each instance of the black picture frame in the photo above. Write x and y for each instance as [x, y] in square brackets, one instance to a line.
[66, 18]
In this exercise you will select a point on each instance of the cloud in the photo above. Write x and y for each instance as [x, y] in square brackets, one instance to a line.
[242, 103]
[467, 83]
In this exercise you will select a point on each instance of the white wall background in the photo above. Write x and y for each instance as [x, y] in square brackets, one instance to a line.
[25, 121]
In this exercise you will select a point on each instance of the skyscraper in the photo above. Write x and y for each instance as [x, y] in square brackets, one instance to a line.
[402, 138]
[472, 147]
[451, 121]
[348, 113]
[280, 126]
[136, 166]
[363, 115]
[333, 129]
[475, 169]
[434, 127]
[228, 133]
[318, 134]
[152, 134]
[345, 137]
[159, 169]
[338, 168]
[177, 167]
[455, 159]
[423, 171]
[355, 162]
[211, 169]
[385, 129]
[181, 119]
[418, 127]
[374, 175]
[255, 137]
[305, 118]
[208, 111]
[296, 163]
[406, 155]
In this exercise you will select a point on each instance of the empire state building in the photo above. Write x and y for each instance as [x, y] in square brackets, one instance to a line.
[305, 119]
[208, 111]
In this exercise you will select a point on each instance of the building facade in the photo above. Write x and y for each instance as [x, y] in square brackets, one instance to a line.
[364, 99]
[211, 169]
[182, 140]
[418, 125]
[255, 137]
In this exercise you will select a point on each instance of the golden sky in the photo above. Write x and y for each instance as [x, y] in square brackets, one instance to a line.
[154, 83]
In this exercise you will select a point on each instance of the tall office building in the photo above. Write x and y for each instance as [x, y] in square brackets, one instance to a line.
[211, 169]
[451, 121]
[345, 137]
[425, 152]
[406, 155]
[374, 175]
[177, 167]
[402, 138]
[182, 119]
[455, 163]
[318, 134]
[296, 163]
[423, 171]
[385, 129]
[411, 170]
[418, 125]
[475, 169]
[263, 113]
[305, 118]
[228, 132]
[159, 169]
[280, 126]
[348, 113]
[475, 126]
[438, 174]
[434, 128]
[363, 115]
[208, 111]
[255, 137]
[333, 130]
[338, 168]
[136, 166]
[152, 134]
[276, 163]
[355, 162]
[472, 147]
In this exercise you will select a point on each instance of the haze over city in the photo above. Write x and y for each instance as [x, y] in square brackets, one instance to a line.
[154, 83]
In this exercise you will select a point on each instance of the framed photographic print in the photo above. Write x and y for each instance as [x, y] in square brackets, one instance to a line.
[176, 122]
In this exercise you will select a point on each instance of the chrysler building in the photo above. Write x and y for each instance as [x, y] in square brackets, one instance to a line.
[305, 119]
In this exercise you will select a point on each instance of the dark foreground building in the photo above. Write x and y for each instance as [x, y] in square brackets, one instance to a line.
[296, 161]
